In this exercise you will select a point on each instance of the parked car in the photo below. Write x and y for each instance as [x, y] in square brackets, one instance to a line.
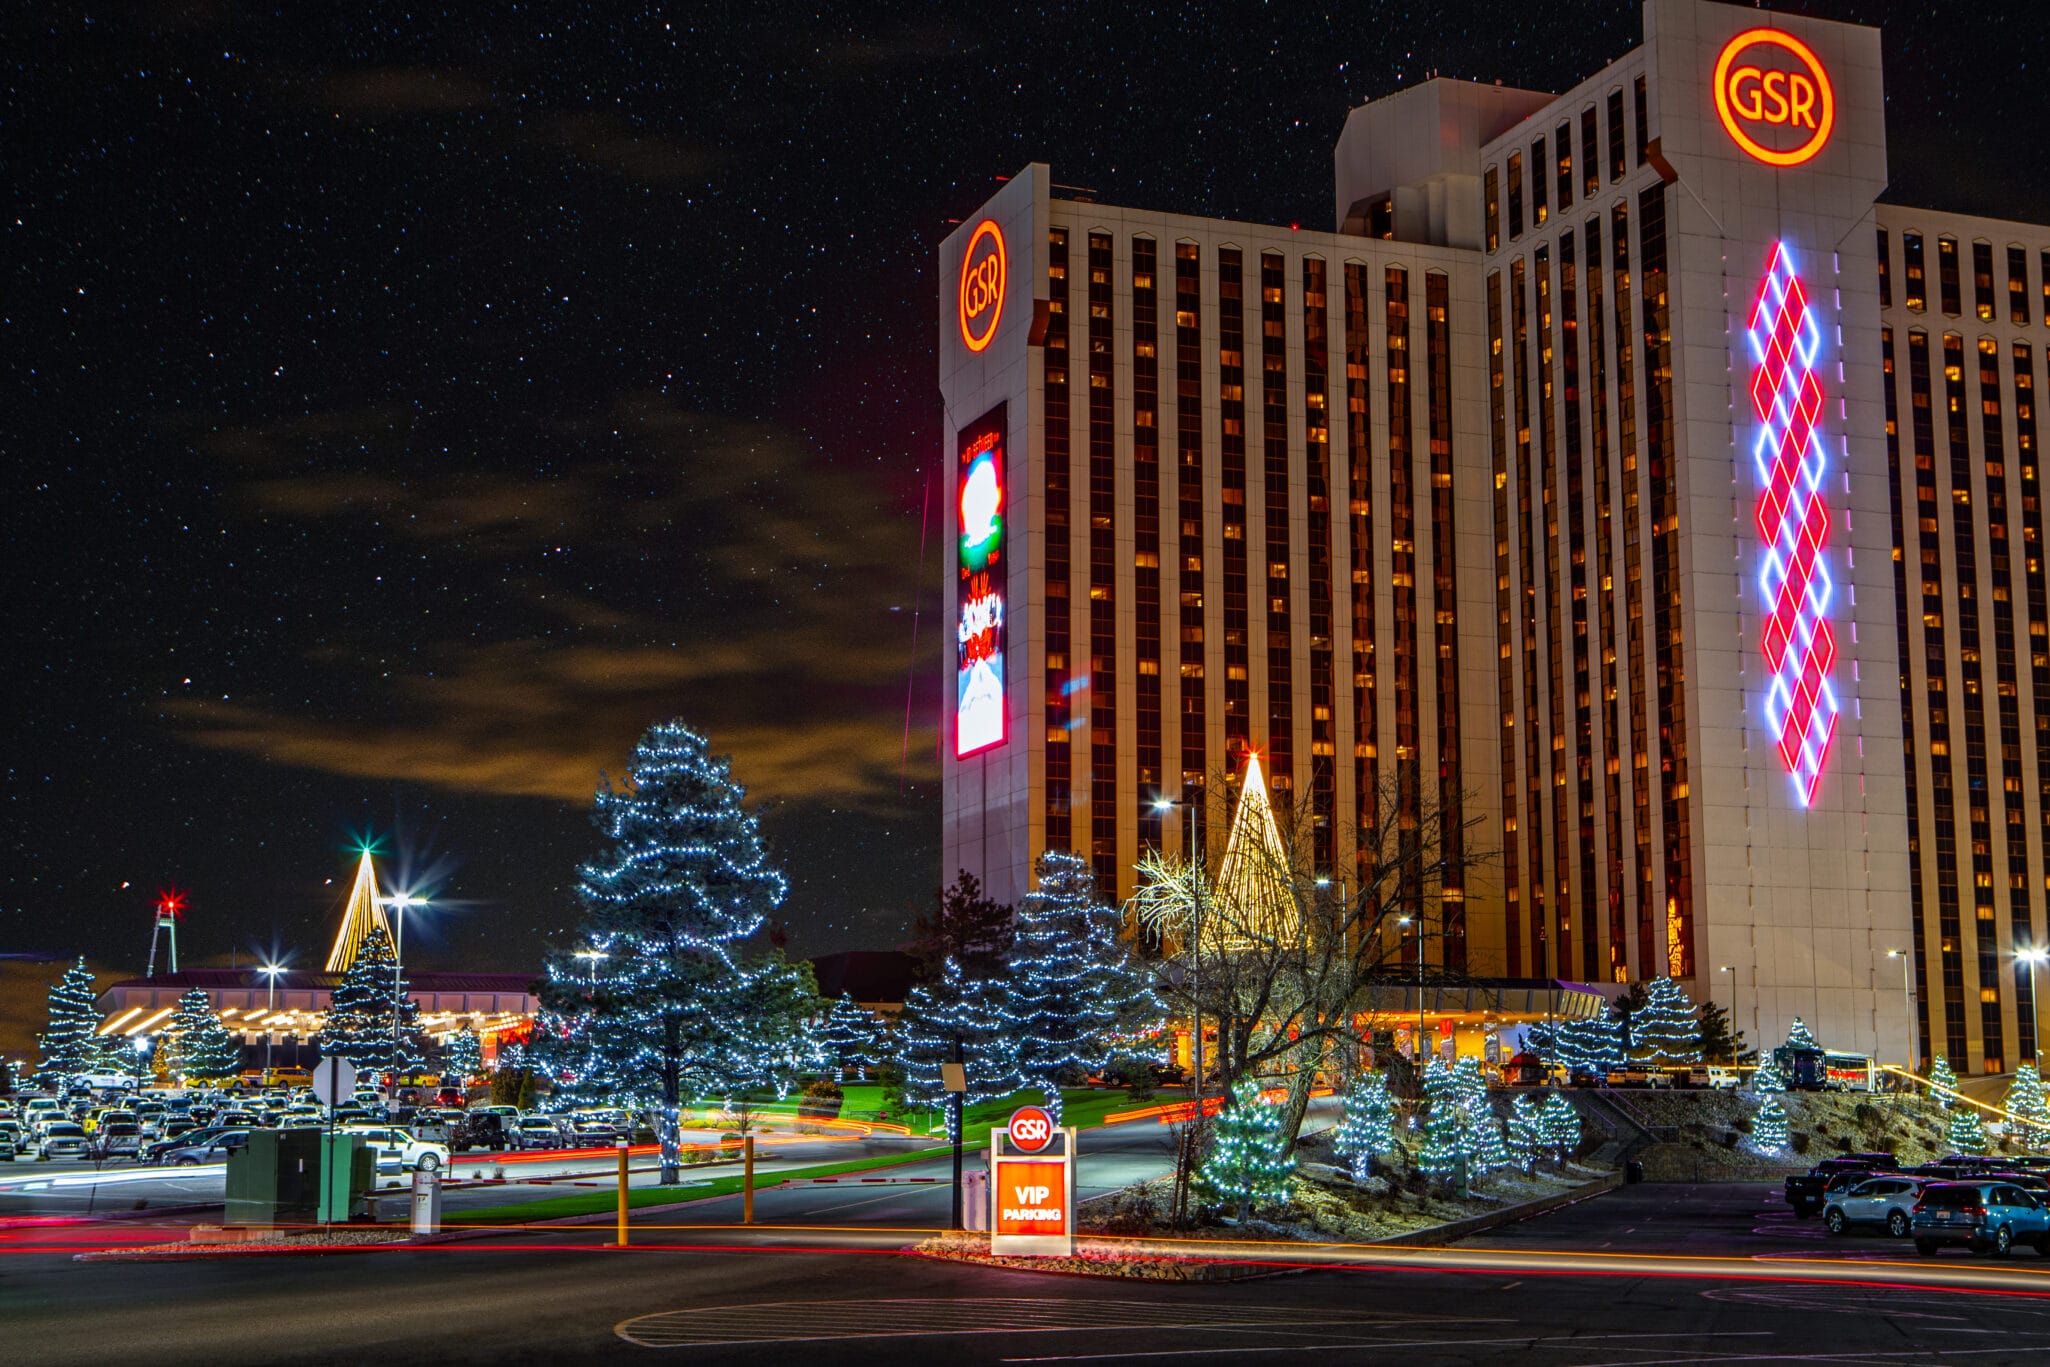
[117, 1139]
[1805, 1192]
[397, 1150]
[1986, 1217]
[213, 1149]
[7, 1151]
[64, 1139]
[485, 1130]
[1720, 1076]
[1887, 1202]
[539, 1132]
[1639, 1075]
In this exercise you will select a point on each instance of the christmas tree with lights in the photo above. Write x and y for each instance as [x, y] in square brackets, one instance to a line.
[462, 1055]
[1444, 1123]
[1526, 1132]
[2028, 1107]
[1595, 1044]
[360, 1025]
[1967, 1134]
[848, 1038]
[681, 1007]
[1481, 1140]
[1368, 1128]
[956, 1019]
[1769, 1125]
[1665, 1031]
[1766, 1079]
[67, 1043]
[1074, 989]
[204, 1050]
[1559, 1125]
[1942, 1081]
[1801, 1037]
[1249, 1163]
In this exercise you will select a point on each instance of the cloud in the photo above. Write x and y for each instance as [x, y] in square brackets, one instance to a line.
[401, 90]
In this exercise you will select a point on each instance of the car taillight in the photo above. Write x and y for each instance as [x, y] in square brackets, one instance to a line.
[1918, 1207]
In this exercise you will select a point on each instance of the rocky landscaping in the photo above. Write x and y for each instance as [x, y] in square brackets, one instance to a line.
[1703, 1136]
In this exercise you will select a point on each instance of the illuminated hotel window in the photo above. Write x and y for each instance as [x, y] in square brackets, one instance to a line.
[1562, 153]
[1231, 389]
[1548, 503]
[1982, 280]
[1515, 194]
[1885, 273]
[1492, 189]
[2017, 286]
[1146, 533]
[1525, 481]
[1946, 276]
[1103, 552]
[1577, 599]
[1188, 318]
[1590, 168]
[1402, 562]
[1366, 765]
[1643, 123]
[1910, 749]
[2034, 573]
[1618, 168]
[1936, 655]
[1317, 468]
[2044, 262]
[1280, 720]
[1445, 609]
[1608, 601]
[1538, 209]
[1916, 293]
[1059, 765]
[1650, 963]
[1668, 624]
[1505, 673]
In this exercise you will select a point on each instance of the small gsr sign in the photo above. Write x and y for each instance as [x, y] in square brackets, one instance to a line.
[1032, 1186]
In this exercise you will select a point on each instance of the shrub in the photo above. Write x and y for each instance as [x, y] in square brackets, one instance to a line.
[821, 1100]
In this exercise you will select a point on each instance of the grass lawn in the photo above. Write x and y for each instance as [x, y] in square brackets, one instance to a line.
[1084, 1108]
[593, 1202]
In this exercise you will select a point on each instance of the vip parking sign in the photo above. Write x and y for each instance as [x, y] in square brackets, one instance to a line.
[1032, 1186]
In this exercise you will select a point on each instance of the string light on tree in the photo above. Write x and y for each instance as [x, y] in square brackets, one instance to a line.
[463, 1054]
[1666, 1032]
[67, 1041]
[1249, 1163]
[1769, 1134]
[849, 1037]
[2031, 1112]
[358, 1026]
[1766, 1079]
[1942, 1081]
[204, 1051]
[1559, 1124]
[1967, 1134]
[1444, 1123]
[1368, 1128]
[1801, 1037]
[1526, 1132]
[956, 1018]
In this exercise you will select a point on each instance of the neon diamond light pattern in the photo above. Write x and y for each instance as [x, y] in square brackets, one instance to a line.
[1793, 522]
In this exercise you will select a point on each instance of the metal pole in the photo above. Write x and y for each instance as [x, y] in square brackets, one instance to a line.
[747, 1180]
[954, 1124]
[270, 1032]
[622, 1193]
[391, 1095]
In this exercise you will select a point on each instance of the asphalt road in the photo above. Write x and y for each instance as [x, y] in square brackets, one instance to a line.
[681, 1294]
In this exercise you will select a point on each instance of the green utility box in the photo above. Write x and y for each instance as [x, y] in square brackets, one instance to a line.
[280, 1177]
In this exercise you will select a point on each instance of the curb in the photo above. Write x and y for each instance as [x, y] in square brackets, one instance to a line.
[1453, 1231]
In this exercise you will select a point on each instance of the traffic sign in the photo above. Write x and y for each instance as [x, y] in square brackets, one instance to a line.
[1031, 1129]
[334, 1080]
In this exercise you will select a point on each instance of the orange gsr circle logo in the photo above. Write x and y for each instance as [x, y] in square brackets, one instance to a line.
[1773, 97]
[982, 285]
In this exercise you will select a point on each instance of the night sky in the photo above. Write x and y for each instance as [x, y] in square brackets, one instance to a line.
[406, 407]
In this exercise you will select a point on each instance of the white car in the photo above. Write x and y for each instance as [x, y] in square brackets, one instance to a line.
[396, 1149]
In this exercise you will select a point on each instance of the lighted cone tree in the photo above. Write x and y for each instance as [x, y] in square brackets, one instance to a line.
[1560, 1126]
[1526, 1132]
[682, 1007]
[359, 1023]
[2031, 1112]
[203, 1051]
[1595, 1044]
[1666, 1032]
[1766, 1079]
[1801, 1037]
[956, 1019]
[1967, 1134]
[1075, 991]
[462, 1054]
[1249, 1163]
[1942, 1081]
[1769, 1126]
[1368, 1128]
[1444, 1124]
[1482, 1141]
[848, 1037]
[67, 1042]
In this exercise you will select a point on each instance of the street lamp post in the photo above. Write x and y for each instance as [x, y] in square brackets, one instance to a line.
[2033, 956]
[1730, 969]
[270, 1032]
[1195, 857]
[590, 958]
[1908, 1000]
[399, 903]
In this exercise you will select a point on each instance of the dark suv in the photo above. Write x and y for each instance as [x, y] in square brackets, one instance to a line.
[1986, 1217]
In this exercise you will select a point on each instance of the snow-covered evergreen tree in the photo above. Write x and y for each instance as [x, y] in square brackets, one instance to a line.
[934, 1018]
[2031, 1111]
[463, 1054]
[1526, 1132]
[1943, 1080]
[1665, 1031]
[1249, 1163]
[1769, 1125]
[848, 1038]
[1367, 1129]
[359, 1022]
[67, 1042]
[1560, 1125]
[680, 1007]
[1967, 1133]
[202, 1049]
[1766, 1079]
[1444, 1122]
[1801, 1037]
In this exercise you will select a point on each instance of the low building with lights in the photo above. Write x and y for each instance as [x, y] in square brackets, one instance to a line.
[1620, 473]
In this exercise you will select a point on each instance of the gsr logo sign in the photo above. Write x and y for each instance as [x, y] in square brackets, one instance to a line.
[982, 285]
[1773, 97]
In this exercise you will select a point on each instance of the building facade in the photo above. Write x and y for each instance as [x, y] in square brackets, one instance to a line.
[1621, 476]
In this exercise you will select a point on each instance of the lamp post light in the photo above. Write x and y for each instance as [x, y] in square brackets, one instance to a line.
[270, 1033]
[590, 958]
[2032, 956]
[1908, 999]
[1730, 969]
[1194, 856]
[399, 903]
